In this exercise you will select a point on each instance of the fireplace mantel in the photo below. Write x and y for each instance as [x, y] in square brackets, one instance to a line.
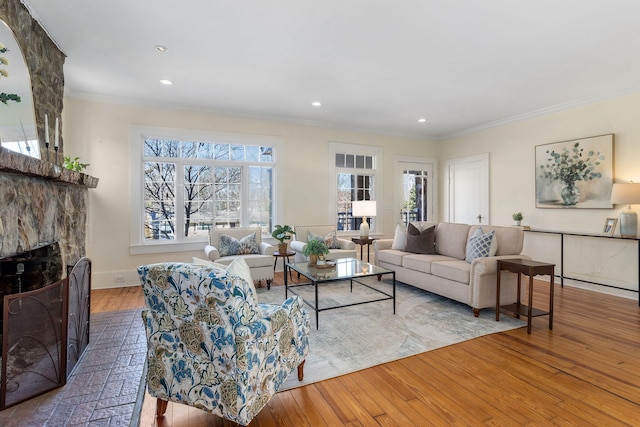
[12, 162]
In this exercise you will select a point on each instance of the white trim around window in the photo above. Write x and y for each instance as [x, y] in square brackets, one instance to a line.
[138, 245]
[365, 150]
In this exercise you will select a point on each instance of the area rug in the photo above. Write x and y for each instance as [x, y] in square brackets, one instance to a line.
[361, 336]
[105, 388]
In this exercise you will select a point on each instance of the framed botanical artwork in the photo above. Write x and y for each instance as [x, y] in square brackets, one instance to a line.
[609, 226]
[575, 174]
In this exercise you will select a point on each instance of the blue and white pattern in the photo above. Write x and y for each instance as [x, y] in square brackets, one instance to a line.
[330, 240]
[480, 245]
[231, 246]
[211, 346]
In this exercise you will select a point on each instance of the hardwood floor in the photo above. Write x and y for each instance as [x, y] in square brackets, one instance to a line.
[586, 371]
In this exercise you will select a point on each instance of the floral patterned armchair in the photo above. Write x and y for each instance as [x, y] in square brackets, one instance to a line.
[211, 345]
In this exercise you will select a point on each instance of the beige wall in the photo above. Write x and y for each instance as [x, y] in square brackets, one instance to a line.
[511, 151]
[100, 134]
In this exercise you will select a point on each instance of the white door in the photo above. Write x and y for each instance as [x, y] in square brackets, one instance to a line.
[468, 190]
[416, 189]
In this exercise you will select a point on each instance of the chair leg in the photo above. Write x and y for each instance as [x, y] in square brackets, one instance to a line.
[301, 371]
[268, 284]
[161, 407]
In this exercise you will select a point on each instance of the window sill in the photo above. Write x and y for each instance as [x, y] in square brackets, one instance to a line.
[158, 248]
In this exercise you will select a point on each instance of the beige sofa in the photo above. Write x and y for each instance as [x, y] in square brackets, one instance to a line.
[447, 273]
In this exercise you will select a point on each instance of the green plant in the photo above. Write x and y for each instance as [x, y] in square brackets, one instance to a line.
[517, 216]
[74, 164]
[315, 247]
[282, 233]
[6, 97]
[572, 165]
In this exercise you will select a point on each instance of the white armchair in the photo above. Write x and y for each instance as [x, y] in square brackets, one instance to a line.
[227, 244]
[345, 248]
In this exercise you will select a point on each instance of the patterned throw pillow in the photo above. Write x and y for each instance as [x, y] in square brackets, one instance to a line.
[331, 239]
[232, 246]
[481, 245]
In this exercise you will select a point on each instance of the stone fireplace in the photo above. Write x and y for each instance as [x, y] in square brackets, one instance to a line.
[43, 203]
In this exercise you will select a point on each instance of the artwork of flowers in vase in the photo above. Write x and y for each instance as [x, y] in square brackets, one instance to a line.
[575, 174]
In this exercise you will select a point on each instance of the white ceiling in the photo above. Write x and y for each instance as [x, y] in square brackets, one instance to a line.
[376, 65]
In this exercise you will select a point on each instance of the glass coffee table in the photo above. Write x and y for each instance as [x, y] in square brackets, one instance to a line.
[341, 269]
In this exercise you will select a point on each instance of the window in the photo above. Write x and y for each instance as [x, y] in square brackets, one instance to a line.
[356, 173]
[190, 184]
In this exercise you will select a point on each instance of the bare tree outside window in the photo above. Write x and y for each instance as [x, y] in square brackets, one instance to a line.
[211, 194]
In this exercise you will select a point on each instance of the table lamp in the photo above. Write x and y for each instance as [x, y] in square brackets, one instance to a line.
[364, 208]
[627, 194]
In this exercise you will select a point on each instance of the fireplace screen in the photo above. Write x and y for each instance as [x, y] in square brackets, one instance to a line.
[33, 343]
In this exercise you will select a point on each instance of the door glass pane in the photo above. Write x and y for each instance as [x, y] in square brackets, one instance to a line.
[414, 196]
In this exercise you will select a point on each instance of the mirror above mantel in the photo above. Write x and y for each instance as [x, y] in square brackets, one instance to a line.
[18, 131]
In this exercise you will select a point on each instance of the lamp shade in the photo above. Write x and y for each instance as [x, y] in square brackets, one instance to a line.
[625, 193]
[364, 208]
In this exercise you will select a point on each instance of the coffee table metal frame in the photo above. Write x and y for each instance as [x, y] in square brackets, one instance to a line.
[345, 269]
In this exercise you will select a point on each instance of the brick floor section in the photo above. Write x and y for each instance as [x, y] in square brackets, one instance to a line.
[105, 386]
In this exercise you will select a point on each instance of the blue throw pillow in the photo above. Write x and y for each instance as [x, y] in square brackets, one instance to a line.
[232, 246]
[480, 245]
[330, 240]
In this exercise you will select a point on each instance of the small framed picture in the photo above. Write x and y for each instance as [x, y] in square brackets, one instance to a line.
[609, 226]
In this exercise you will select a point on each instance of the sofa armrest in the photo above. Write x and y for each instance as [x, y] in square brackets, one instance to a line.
[381, 244]
[482, 282]
[346, 244]
[298, 246]
[266, 248]
[489, 265]
[212, 252]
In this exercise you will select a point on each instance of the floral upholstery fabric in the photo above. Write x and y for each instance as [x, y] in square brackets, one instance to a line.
[211, 346]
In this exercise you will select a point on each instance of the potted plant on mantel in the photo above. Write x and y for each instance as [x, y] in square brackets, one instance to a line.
[282, 233]
[314, 250]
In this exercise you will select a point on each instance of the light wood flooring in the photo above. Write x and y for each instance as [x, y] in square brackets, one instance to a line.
[586, 371]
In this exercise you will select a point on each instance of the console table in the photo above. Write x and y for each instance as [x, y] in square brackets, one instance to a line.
[562, 275]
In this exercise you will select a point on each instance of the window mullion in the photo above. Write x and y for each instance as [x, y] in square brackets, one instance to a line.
[179, 200]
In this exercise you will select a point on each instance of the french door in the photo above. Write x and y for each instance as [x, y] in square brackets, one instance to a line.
[416, 179]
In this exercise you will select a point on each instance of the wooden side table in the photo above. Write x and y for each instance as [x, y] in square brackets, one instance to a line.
[531, 269]
[284, 256]
[362, 242]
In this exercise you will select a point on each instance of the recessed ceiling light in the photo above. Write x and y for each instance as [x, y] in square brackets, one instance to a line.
[316, 103]
[166, 82]
[161, 48]
[422, 120]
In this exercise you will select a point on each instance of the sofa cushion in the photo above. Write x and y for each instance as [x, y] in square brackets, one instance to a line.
[481, 245]
[459, 271]
[399, 238]
[330, 239]
[451, 239]
[422, 263]
[229, 245]
[420, 242]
